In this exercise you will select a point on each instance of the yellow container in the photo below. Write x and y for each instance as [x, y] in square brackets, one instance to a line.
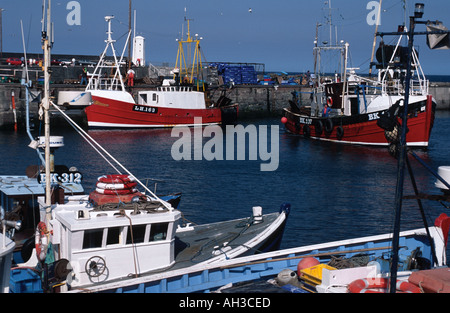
[313, 275]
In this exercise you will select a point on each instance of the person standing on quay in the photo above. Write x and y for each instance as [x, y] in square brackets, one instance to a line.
[130, 77]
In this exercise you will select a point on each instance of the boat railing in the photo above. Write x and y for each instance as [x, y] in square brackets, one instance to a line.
[105, 83]
[419, 87]
[175, 88]
[393, 78]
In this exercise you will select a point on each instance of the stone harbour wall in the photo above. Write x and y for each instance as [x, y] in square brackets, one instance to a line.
[253, 100]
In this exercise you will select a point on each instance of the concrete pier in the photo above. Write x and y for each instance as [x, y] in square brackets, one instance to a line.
[441, 92]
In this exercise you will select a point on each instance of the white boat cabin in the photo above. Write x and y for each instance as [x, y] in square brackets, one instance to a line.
[106, 245]
[363, 96]
[173, 97]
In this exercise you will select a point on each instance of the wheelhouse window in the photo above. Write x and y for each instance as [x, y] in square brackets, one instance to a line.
[158, 231]
[92, 238]
[138, 234]
[113, 237]
[144, 97]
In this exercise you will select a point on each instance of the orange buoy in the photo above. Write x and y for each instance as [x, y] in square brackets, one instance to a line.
[380, 285]
[306, 263]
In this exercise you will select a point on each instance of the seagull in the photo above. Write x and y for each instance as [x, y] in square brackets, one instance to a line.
[250, 10]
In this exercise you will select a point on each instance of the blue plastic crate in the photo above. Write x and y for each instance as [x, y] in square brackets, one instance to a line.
[24, 281]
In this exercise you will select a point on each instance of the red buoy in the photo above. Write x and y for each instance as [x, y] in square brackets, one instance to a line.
[306, 263]
[284, 120]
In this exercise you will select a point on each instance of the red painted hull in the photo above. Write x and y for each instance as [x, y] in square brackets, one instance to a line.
[363, 129]
[105, 112]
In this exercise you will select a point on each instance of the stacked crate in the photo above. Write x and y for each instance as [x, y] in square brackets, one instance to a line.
[238, 74]
[249, 76]
[232, 74]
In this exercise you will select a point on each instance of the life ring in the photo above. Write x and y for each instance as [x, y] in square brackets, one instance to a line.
[319, 128]
[380, 285]
[116, 186]
[41, 241]
[340, 132]
[330, 101]
[116, 191]
[329, 125]
[116, 179]
[306, 131]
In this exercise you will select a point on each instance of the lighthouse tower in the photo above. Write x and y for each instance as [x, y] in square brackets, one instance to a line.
[138, 58]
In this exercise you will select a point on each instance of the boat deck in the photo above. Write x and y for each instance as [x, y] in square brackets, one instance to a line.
[203, 241]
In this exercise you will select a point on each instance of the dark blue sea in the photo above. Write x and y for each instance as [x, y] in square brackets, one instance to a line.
[335, 191]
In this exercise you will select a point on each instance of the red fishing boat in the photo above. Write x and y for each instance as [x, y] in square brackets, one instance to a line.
[349, 108]
[165, 107]
[184, 100]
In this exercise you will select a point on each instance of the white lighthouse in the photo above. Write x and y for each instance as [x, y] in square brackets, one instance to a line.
[138, 58]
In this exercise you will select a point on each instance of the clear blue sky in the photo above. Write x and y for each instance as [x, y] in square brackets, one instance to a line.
[278, 33]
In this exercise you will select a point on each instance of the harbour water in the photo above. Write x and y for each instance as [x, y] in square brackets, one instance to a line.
[335, 191]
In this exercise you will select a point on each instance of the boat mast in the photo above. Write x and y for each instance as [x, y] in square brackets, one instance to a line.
[375, 37]
[46, 33]
[196, 65]
[129, 31]
[93, 81]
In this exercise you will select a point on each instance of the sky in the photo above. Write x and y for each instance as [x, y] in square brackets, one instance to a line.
[278, 33]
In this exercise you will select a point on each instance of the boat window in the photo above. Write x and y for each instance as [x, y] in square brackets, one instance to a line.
[138, 234]
[158, 231]
[144, 97]
[154, 97]
[92, 238]
[113, 237]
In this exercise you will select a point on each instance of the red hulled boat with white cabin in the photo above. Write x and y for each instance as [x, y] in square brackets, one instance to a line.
[180, 101]
[361, 110]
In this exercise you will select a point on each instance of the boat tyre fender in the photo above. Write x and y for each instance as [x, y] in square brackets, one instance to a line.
[115, 191]
[340, 132]
[329, 125]
[116, 179]
[319, 128]
[116, 186]
[41, 241]
[380, 285]
[306, 131]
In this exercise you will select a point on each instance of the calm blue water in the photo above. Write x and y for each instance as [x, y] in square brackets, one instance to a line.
[336, 191]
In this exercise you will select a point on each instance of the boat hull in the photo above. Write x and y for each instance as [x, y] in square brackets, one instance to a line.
[362, 129]
[210, 277]
[107, 113]
[262, 239]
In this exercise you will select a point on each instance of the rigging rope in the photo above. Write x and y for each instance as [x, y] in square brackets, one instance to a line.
[86, 136]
